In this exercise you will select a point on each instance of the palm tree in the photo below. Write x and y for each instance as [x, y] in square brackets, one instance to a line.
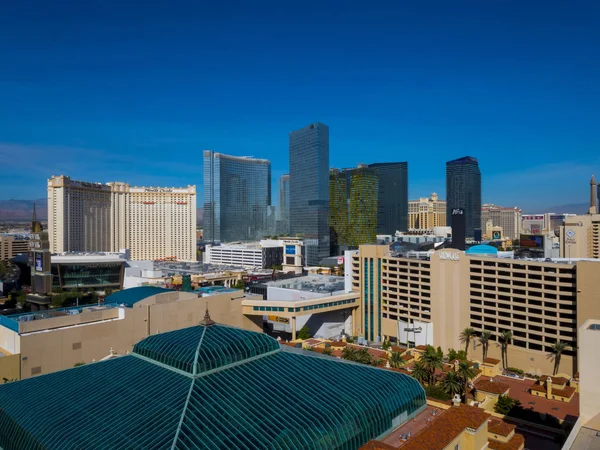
[484, 339]
[377, 362]
[396, 360]
[466, 336]
[452, 384]
[505, 338]
[363, 356]
[466, 373]
[349, 353]
[432, 360]
[419, 372]
[558, 348]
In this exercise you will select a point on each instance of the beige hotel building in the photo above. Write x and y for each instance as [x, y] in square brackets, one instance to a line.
[426, 213]
[419, 302]
[92, 217]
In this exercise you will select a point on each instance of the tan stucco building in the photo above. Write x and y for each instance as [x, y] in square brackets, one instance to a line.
[45, 342]
[426, 213]
[11, 246]
[429, 302]
[152, 222]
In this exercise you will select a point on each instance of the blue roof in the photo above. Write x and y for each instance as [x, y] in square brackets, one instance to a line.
[131, 296]
[251, 402]
[482, 250]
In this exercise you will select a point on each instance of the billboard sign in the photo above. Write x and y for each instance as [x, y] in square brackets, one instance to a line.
[39, 262]
[340, 260]
[531, 241]
[290, 249]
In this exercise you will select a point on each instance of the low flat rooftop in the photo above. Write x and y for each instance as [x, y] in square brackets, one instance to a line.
[311, 283]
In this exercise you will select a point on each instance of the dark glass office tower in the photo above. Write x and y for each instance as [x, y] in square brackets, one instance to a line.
[463, 191]
[237, 192]
[309, 189]
[392, 208]
[284, 205]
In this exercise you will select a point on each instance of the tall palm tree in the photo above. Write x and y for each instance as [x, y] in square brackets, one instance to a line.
[484, 339]
[432, 360]
[396, 360]
[505, 338]
[452, 384]
[466, 373]
[465, 337]
[349, 353]
[558, 348]
[419, 372]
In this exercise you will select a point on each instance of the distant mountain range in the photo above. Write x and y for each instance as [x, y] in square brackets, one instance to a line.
[21, 210]
[571, 208]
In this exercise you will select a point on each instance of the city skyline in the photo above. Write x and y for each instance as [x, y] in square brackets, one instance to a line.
[132, 105]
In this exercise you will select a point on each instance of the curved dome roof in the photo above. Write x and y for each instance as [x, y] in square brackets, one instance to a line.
[202, 348]
[482, 250]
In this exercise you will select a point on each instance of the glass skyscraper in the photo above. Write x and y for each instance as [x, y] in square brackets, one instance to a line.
[309, 189]
[392, 208]
[237, 192]
[353, 208]
[284, 204]
[463, 191]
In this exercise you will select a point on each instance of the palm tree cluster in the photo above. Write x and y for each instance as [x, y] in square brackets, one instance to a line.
[432, 360]
[357, 355]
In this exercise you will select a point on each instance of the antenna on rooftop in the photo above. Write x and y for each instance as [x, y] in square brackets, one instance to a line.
[207, 321]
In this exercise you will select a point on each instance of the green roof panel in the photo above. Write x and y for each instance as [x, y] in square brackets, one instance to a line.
[259, 397]
[131, 296]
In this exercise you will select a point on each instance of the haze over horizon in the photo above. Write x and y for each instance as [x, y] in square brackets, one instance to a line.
[135, 92]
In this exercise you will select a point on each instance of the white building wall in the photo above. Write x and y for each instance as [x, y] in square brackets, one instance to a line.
[234, 256]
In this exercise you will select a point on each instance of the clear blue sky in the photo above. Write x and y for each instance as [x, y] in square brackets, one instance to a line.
[134, 91]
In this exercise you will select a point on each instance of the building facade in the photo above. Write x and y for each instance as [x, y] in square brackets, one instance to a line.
[91, 217]
[309, 189]
[237, 192]
[509, 219]
[263, 255]
[283, 226]
[426, 213]
[463, 191]
[12, 245]
[430, 301]
[353, 207]
[392, 199]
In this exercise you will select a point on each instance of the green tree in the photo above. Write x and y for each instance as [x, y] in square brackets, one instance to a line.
[349, 353]
[419, 372]
[557, 349]
[452, 384]
[304, 333]
[386, 344]
[505, 338]
[454, 355]
[363, 356]
[505, 404]
[377, 362]
[484, 340]
[240, 285]
[396, 360]
[327, 351]
[432, 360]
[465, 337]
[466, 373]
[81, 363]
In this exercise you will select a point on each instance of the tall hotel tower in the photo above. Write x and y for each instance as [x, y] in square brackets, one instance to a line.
[309, 189]
[92, 217]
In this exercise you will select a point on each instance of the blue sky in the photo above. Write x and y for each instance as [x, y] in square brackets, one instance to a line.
[134, 91]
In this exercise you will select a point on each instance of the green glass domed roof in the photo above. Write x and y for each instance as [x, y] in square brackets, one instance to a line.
[203, 348]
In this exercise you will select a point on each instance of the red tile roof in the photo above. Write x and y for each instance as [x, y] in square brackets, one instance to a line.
[555, 380]
[517, 442]
[450, 424]
[493, 387]
[567, 391]
[395, 348]
[377, 445]
[408, 357]
[421, 347]
[492, 361]
[338, 343]
[500, 427]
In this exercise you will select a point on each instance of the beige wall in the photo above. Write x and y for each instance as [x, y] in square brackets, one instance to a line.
[579, 237]
[10, 368]
[539, 302]
[61, 348]
[589, 368]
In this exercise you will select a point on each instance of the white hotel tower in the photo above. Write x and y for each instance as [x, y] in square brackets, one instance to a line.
[93, 217]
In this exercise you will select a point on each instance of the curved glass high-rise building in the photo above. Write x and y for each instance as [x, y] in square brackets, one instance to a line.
[309, 189]
[237, 192]
[463, 191]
